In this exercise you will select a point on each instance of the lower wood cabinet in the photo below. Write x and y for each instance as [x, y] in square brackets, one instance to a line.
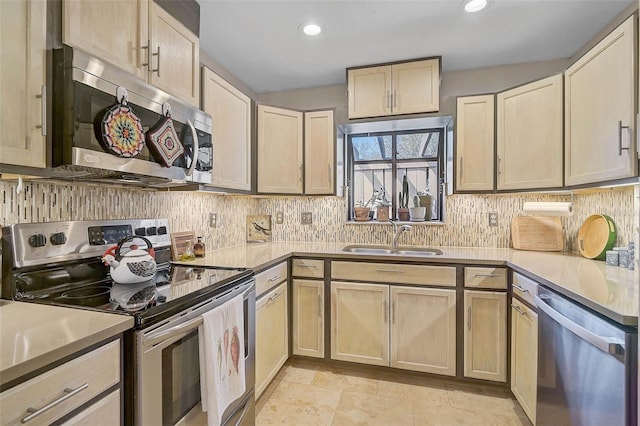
[411, 328]
[524, 356]
[485, 335]
[272, 335]
[308, 318]
[105, 412]
[423, 329]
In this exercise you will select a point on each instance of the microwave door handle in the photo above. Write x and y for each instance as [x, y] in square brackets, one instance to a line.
[196, 148]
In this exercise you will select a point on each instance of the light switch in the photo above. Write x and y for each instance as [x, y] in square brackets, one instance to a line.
[306, 218]
[279, 217]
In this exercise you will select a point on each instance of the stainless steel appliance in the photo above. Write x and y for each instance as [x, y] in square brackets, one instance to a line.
[59, 263]
[83, 86]
[587, 366]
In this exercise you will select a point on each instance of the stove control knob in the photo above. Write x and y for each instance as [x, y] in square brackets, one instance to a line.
[152, 230]
[37, 240]
[162, 230]
[140, 231]
[58, 238]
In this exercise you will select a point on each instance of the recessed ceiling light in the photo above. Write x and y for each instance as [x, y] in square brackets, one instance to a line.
[311, 29]
[475, 5]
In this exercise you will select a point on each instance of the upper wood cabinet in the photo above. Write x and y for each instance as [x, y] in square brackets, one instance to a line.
[474, 143]
[230, 110]
[529, 135]
[279, 150]
[319, 152]
[403, 88]
[485, 335]
[22, 83]
[599, 110]
[144, 40]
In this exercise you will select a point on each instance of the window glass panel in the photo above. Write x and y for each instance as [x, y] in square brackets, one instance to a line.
[418, 145]
[367, 177]
[369, 148]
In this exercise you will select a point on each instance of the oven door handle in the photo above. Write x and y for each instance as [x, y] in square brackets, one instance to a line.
[155, 338]
[196, 148]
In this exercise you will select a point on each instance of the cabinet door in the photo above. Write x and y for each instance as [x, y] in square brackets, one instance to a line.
[360, 323]
[308, 318]
[485, 335]
[416, 86]
[423, 329]
[369, 91]
[230, 110]
[279, 150]
[599, 99]
[175, 56]
[319, 137]
[22, 82]
[474, 143]
[115, 30]
[524, 357]
[272, 336]
[529, 135]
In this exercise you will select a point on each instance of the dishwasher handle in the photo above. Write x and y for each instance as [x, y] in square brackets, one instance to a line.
[608, 345]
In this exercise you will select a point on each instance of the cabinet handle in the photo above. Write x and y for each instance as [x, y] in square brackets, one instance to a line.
[319, 306]
[300, 173]
[302, 265]
[395, 99]
[274, 278]
[146, 64]
[43, 108]
[157, 70]
[393, 312]
[518, 310]
[487, 275]
[461, 169]
[620, 127]
[390, 271]
[522, 289]
[469, 318]
[68, 393]
[499, 165]
[388, 104]
[386, 312]
[329, 173]
[274, 297]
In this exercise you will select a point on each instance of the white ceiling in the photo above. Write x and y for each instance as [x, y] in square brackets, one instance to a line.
[258, 41]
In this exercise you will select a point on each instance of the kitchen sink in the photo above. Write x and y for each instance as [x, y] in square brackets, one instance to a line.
[401, 250]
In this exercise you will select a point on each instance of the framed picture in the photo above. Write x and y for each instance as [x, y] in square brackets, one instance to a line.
[259, 229]
[180, 241]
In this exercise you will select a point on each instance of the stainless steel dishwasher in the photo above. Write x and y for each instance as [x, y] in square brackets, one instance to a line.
[587, 366]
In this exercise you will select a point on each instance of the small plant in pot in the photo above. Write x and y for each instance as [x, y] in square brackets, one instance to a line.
[361, 211]
[417, 213]
[403, 200]
[380, 204]
[426, 200]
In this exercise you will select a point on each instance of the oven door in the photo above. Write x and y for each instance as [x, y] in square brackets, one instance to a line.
[168, 373]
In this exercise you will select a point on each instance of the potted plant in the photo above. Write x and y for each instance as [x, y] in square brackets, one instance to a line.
[417, 213]
[403, 200]
[426, 201]
[361, 211]
[380, 204]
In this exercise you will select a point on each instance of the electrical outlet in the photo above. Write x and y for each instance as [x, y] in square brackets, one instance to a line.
[493, 218]
[279, 217]
[306, 218]
[213, 220]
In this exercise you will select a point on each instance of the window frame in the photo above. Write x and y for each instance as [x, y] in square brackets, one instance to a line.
[439, 159]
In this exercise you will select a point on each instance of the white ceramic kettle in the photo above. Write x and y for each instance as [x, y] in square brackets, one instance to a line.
[133, 267]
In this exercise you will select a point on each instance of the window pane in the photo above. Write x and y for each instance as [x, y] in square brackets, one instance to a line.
[367, 148]
[367, 177]
[418, 145]
[421, 176]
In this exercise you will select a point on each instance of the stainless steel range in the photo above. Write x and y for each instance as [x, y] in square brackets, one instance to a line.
[60, 263]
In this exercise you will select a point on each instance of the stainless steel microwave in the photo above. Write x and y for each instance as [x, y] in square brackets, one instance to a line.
[83, 87]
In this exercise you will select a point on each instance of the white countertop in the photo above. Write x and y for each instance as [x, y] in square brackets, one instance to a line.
[611, 291]
[34, 335]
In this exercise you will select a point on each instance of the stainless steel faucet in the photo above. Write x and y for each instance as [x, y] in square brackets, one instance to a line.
[397, 230]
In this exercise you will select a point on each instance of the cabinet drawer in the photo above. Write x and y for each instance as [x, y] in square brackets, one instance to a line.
[392, 273]
[105, 412]
[84, 377]
[524, 288]
[271, 277]
[485, 277]
[308, 268]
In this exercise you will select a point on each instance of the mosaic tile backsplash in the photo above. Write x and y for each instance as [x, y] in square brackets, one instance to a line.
[466, 215]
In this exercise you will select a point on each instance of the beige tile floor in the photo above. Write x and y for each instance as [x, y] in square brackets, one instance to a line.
[313, 393]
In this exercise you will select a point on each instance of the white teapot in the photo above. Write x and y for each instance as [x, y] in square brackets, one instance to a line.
[133, 267]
